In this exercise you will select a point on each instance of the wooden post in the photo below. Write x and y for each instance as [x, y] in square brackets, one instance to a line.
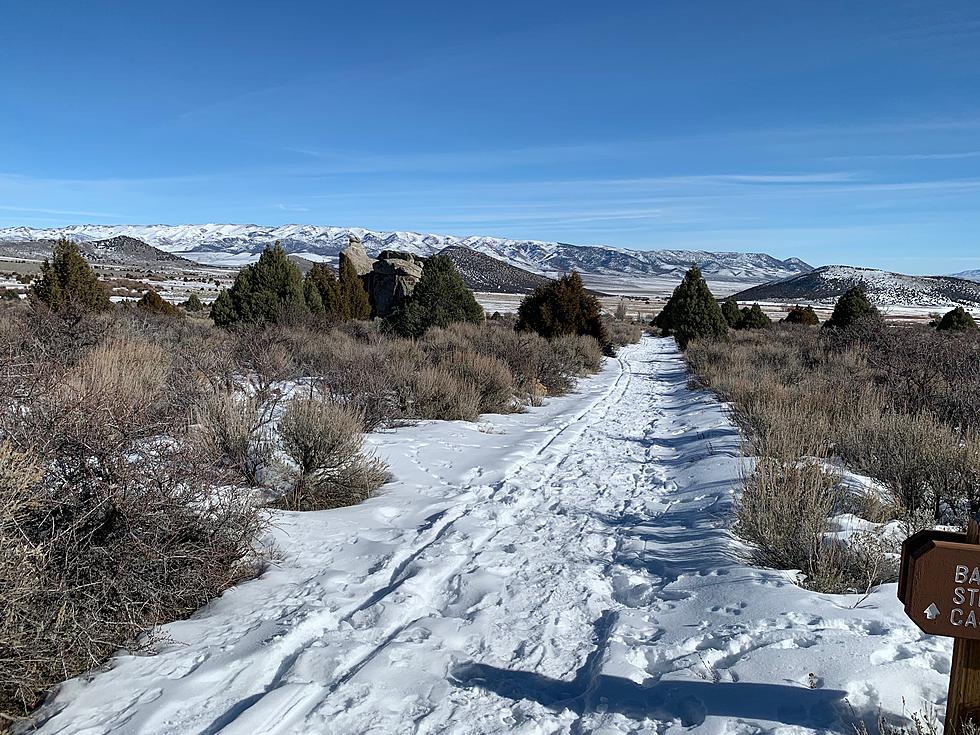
[963, 699]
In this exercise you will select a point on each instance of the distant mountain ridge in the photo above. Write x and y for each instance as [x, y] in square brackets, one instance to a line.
[883, 288]
[973, 275]
[235, 245]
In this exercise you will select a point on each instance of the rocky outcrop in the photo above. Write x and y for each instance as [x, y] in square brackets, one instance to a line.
[389, 279]
[392, 280]
[357, 255]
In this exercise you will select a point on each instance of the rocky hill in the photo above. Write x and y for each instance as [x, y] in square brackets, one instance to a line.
[883, 288]
[221, 244]
[120, 250]
[483, 273]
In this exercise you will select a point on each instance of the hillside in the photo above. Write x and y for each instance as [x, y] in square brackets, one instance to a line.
[119, 250]
[883, 288]
[484, 273]
[221, 244]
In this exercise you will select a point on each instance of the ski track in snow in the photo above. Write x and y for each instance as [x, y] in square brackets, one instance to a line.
[568, 570]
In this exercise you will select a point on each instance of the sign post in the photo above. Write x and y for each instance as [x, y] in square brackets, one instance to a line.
[940, 586]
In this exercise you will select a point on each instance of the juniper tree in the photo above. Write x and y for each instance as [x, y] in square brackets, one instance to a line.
[692, 312]
[959, 319]
[439, 299]
[562, 307]
[193, 303]
[354, 301]
[263, 291]
[851, 308]
[802, 315]
[322, 277]
[753, 317]
[154, 303]
[732, 314]
[223, 310]
[311, 297]
[67, 279]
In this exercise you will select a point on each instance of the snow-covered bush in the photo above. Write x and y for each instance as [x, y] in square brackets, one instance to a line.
[329, 468]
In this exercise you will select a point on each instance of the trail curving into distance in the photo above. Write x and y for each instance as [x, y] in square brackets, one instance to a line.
[568, 570]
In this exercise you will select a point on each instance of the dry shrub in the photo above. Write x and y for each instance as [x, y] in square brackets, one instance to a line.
[798, 394]
[110, 519]
[623, 333]
[375, 378]
[442, 395]
[784, 510]
[93, 555]
[233, 433]
[927, 465]
[579, 355]
[264, 355]
[324, 441]
[492, 379]
[870, 397]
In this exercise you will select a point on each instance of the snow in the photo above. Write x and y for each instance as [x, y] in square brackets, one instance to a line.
[236, 245]
[566, 570]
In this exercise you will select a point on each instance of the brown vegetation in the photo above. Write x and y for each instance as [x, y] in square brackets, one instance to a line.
[898, 404]
[133, 447]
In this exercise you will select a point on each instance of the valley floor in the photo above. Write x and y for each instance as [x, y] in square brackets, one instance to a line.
[570, 569]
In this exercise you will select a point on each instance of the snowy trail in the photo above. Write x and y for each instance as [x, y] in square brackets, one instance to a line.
[565, 570]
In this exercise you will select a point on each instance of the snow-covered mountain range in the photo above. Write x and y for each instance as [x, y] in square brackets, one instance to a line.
[883, 288]
[973, 275]
[219, 244]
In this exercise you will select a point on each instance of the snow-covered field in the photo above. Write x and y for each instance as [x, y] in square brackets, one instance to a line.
[567, 570]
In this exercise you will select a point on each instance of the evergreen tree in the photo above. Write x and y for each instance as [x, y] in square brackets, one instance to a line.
[223, 309]
[263, 291]
[754, 318]
[354, 301]
[802, 315]
[154, 303]
[68, 279]
[439, 299]
[732, 314]
[193, 303]
[322, 277]
[562, 307]
[852, 307]
[959, 319]
[692, 312]
[311, 297]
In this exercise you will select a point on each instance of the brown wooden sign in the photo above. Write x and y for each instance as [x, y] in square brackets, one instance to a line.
[940, 584]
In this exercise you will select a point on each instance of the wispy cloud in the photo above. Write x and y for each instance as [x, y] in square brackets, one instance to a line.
[63, 212]
[906, 156]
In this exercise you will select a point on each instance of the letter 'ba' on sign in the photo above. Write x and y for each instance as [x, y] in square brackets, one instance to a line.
[940, 583]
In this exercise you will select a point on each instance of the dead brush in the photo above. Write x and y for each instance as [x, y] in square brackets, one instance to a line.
[330, 469]
[110, 522]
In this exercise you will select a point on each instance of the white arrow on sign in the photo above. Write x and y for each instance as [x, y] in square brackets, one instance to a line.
[932, 612]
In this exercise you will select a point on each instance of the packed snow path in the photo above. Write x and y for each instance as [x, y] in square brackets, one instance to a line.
[565, 570]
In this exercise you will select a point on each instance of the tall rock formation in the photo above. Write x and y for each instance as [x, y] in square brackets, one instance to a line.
[389, 279]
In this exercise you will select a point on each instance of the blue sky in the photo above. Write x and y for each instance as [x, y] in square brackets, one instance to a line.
[832, 131]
